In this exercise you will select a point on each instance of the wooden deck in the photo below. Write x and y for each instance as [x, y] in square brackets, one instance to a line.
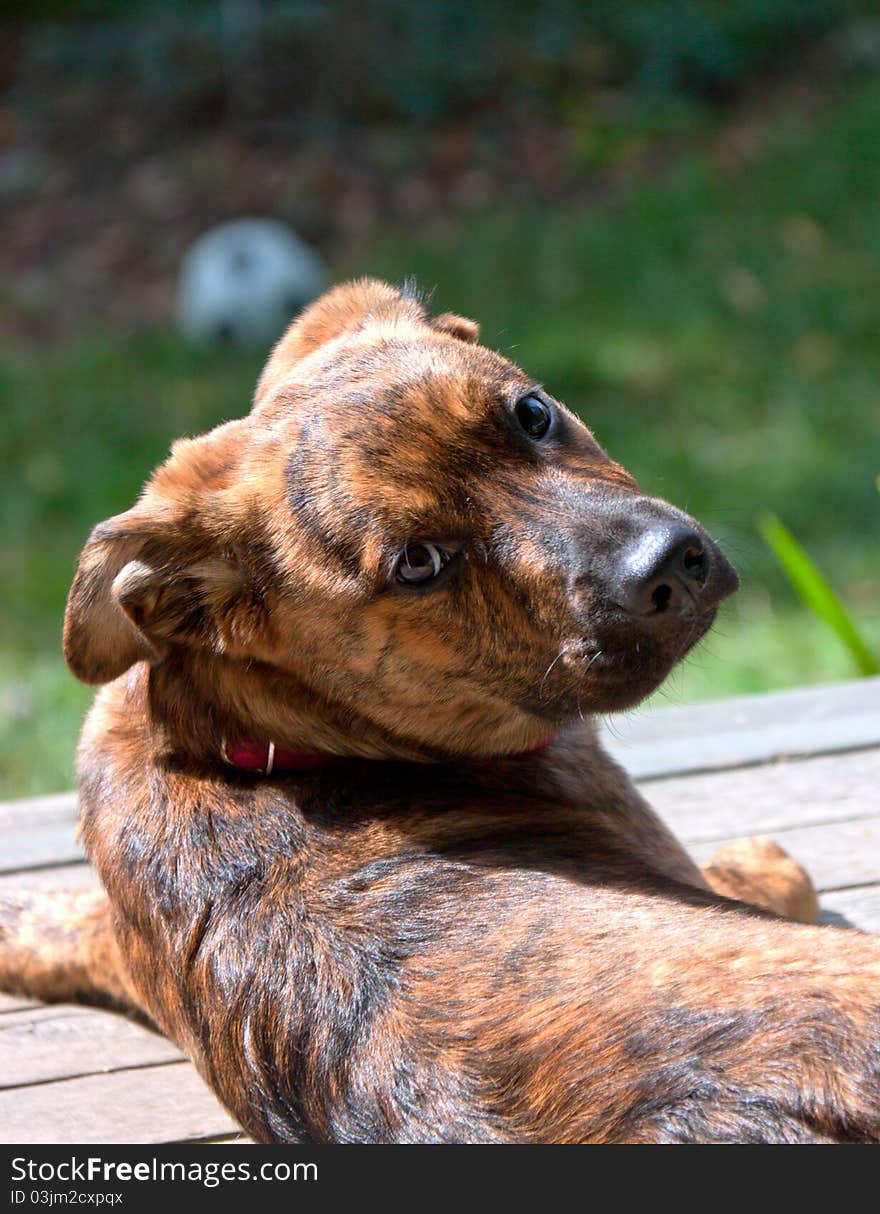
[802, 766]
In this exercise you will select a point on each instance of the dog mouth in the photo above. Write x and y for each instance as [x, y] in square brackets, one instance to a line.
[619, 670]
[614, 667]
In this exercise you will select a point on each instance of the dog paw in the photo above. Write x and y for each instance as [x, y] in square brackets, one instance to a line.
[15, 952]
[762, 873]
[38, 941]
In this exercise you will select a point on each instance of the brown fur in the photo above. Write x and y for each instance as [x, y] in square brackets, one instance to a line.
[432, 937]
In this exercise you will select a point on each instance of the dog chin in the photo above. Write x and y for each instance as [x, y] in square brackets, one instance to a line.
[621, 677]
[619, 695]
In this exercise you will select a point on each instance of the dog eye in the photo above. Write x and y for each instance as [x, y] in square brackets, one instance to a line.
[419, 563]
[533, 415]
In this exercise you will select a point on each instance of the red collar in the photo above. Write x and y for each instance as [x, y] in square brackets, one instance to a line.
[266, 757]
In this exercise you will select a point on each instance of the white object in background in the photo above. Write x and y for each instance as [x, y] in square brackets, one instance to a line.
[242, 282]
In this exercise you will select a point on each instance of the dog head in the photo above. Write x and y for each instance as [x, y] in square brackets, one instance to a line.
[407, 547]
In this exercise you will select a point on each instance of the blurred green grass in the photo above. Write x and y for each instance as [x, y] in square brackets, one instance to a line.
[717, 329]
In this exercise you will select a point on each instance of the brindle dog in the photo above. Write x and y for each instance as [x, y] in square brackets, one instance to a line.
[446, 915]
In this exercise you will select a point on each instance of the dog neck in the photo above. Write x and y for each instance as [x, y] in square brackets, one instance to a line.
[258, 718]
[264, 758]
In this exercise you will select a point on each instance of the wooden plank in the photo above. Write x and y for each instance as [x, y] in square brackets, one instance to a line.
[858, 907]
[775, 796]
[48, 1043]
[38, 831]
[23, 808]
[836, 855]
[56, 877]
[747, 729]
[167, 1103]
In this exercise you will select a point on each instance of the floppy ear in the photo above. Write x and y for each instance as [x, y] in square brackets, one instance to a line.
[133, 596]
[146, 578]
[343, 309]
[457, 326]
[101, 640]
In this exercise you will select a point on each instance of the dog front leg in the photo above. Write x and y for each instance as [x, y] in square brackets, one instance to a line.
[60, 947]
[762, 873]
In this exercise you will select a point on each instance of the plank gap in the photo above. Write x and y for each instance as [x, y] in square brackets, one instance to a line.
[44, 866]
[782, 759]
[856, 885]
[110, 1070]
[869, 815]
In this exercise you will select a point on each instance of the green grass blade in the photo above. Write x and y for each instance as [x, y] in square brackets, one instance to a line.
[815, 591]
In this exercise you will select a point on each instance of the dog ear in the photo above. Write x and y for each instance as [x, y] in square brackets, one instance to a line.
[457, 326]
[134, 596]
[342, 309]
[156, 574]
[101, 640]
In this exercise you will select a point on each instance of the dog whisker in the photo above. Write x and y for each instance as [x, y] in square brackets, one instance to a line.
[549, 668]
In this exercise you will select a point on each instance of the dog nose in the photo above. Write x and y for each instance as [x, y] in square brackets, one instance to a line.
[664, 570]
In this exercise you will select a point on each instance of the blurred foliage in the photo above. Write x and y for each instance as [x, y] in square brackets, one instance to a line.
[338, 118]
[815, 591]
[419, 60]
